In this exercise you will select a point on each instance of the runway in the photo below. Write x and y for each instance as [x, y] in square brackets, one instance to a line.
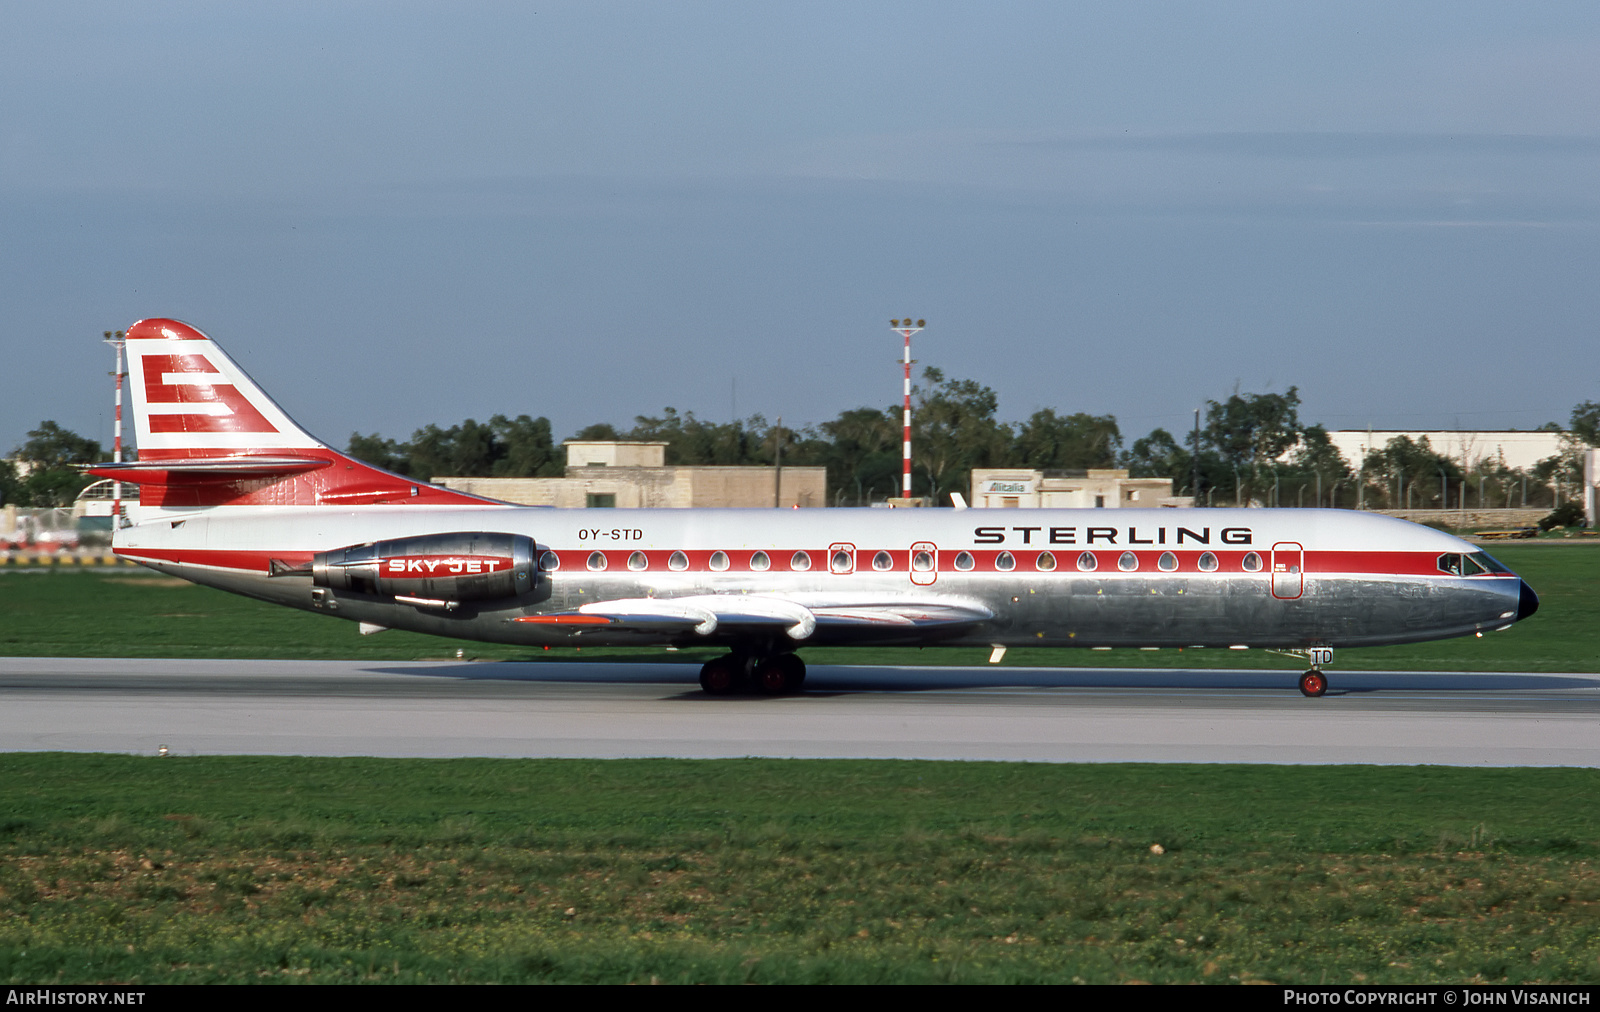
[440, 709]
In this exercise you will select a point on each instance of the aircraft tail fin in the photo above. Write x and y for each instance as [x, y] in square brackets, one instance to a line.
[208, 435]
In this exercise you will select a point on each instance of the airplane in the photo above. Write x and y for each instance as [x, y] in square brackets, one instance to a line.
[235, 495]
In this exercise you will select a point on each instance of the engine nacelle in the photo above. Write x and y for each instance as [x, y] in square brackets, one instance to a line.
[432, 569]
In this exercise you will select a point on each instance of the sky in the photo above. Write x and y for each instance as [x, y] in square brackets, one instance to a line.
[394, 214]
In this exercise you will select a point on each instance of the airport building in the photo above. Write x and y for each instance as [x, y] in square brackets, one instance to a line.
[1517, 450]
[1023, 488]
[634, 475]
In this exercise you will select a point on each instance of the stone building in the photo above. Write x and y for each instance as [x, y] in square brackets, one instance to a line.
[1015, 487]
[634, 475]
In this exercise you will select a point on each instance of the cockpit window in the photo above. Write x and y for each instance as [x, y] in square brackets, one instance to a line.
[1471, 564]
[1489, 562]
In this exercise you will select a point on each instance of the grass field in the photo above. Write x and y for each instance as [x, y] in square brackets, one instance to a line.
[135, 613]
[256, 869]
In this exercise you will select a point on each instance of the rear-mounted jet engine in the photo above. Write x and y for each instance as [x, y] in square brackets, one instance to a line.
[437, 570]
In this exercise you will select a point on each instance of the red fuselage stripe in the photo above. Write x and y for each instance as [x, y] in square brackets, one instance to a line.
[658, 561]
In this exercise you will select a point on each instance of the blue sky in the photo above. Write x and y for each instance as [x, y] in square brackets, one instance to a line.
[394, 214]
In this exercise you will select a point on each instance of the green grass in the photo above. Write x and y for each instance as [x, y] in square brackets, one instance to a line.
[148, 870]
[121, 612]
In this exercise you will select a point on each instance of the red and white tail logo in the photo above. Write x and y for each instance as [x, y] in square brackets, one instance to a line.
[189, 398]
[186, 393]
[208, 436]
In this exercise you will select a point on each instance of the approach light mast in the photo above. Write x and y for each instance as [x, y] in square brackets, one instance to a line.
[906, 328]
[118, 340]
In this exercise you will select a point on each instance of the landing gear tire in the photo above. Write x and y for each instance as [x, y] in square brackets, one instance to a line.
[1313, 683]
[781, 674]
[720, 677]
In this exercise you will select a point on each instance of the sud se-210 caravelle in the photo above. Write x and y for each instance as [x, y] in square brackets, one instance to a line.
[235, 495]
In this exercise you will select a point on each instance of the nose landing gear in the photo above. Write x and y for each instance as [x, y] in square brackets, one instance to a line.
[778, 674]
[1314, 682]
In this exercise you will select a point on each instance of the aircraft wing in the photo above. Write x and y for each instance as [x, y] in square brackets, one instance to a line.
[799, 619]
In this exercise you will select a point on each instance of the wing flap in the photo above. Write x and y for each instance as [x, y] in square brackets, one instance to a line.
[911, 616]
[705, 614]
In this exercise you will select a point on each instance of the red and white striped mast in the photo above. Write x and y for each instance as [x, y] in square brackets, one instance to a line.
[118, 340]
[906, 328]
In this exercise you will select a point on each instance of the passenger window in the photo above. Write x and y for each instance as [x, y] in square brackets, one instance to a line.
[799, 562]
[550, 562]
[1087, 563]
[964, 561]
[1005, 562]
[1127, 562]
[1208, 562]
[1045, 563]
[597, 561]
[841, 562]
[883, 562]
[760, 563]
[677, 562]
[637, 562]
[1252, 562]
[1167, 563]
[719, 561]
[922, 562]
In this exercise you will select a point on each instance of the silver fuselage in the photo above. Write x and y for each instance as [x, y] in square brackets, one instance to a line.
[1331, 578]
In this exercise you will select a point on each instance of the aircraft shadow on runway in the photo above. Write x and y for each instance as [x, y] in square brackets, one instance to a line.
[868, 678]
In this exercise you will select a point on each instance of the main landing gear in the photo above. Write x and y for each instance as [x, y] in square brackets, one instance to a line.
[773, 675]
[1313, 683]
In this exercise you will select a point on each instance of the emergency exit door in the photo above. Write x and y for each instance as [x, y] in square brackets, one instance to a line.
[1288, 570]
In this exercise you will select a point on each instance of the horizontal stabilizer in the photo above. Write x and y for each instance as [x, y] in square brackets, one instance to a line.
[188, 471]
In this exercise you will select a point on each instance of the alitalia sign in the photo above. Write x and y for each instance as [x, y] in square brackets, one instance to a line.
[997, 487]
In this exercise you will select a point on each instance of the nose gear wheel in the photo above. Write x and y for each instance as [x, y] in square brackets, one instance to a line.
[1313, 683]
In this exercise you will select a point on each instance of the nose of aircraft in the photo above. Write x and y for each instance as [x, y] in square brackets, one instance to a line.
[1529, 602]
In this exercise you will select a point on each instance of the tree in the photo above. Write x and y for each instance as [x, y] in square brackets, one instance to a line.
[1585, 424]
[380, 452]
[53, 453]
[693, 442]
[1250, 432]
[524, 448]
[954, 430]
[1410, 473]
[1562, 473]
[600, 432]
[10, 484]
[1048, 441]
[502, 448]
[431, 453]
[862, 453]
[1159, 455]
[1318, 465]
